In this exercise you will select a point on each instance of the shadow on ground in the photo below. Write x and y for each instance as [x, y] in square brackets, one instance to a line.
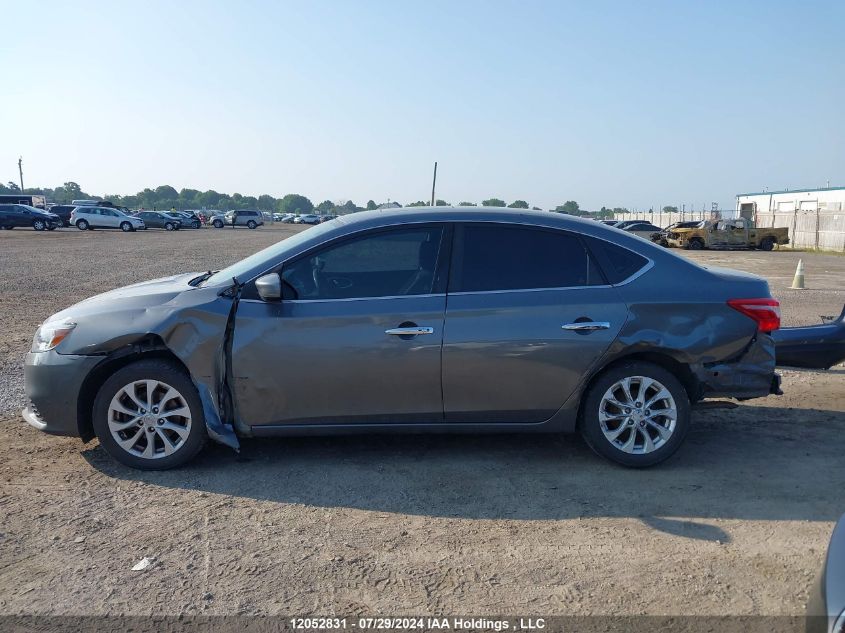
[755, 463]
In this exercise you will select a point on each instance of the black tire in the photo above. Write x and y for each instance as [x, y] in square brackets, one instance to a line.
[52, 228]
[590, 425]
[39, 225]
[195, 224]
[218, 224]
[166, 372]
[83, 225]
[695, 244]
[126, 227]
[8, 228]
[169, 226]
[767, 244]
[251, 224]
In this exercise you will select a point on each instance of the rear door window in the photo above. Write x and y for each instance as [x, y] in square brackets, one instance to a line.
[492, 257]
[617, 263]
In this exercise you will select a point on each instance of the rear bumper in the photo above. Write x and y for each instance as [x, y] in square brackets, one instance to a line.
[749, 375]
[814, 347]
[53, 383]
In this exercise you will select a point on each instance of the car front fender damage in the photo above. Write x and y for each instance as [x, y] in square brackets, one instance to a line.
[194, 330]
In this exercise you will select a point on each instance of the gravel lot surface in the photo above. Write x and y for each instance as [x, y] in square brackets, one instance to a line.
[735, 523]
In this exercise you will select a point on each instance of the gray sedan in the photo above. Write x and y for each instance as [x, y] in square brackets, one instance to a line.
[423, 320]
[826, 609]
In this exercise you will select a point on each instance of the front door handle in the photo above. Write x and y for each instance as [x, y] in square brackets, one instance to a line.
[410, 331]
[586, 326]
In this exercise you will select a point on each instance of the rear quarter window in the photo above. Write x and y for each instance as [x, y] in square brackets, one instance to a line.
[617, 262]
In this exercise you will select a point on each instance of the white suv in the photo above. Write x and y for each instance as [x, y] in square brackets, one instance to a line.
[86, 218]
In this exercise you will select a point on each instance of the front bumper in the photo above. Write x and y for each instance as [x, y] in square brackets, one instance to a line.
[53, 384]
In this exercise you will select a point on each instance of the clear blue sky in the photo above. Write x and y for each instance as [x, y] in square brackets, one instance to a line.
[632, 104]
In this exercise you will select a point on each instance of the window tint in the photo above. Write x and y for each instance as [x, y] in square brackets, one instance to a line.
[617, 263]
[385, 264]
[508, 257]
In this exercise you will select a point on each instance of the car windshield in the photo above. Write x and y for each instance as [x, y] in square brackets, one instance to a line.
[274, 251]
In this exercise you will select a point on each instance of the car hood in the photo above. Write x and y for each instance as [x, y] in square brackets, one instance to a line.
[140, 296]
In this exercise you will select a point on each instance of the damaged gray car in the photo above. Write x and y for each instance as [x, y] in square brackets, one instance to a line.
[424, 320]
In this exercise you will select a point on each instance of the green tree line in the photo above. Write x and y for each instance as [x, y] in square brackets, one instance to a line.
[167, 197]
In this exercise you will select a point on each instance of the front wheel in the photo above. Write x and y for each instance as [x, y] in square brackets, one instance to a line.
[39, 225]
[148, 415]
[636, 414]
[695, 244]
[195, 224]
[125, 227]
[251, 224]
[218, 224]
[169, 227]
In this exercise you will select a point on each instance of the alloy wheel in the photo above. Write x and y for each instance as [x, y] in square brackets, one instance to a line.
[638, 415]
[149, 419]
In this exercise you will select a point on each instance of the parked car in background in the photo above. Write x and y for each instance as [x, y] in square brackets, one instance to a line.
[308, 218]
[662, 236]
[826, 607]
[610, 222]
[327, 217]
[189, 220]
[643, 229]
[288, 218]
[86, 218]
[21, 215]
[621, 224]
[248, 218]
[63, 211]
[277, 217]
[160, 220]
[423, 320]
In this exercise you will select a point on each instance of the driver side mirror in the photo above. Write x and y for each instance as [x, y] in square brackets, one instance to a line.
[269, 287]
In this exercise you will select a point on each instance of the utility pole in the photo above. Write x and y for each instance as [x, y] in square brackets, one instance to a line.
[433, 183]
[20, 170]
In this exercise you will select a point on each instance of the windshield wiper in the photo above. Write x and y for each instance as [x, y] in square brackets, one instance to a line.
[196, 281]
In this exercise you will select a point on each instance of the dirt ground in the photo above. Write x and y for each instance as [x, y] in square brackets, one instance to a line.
[735, 523]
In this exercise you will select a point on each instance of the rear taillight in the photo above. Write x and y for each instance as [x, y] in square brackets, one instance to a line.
[766, 312]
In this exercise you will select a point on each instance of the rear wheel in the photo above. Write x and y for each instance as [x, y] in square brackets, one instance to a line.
[83, 225]
[767, 244]
[636, 414]
[148, 415]
[695, 244]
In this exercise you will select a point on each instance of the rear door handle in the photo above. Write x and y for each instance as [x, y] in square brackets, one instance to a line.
[586, 326]
[409, 331]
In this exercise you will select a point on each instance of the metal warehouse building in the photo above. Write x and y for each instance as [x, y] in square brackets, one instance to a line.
[815, 217]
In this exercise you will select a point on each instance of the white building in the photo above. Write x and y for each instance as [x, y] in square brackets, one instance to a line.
[815, 217]
[782, 202]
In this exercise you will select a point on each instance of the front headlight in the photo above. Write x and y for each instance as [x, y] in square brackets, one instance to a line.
[49, 335]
